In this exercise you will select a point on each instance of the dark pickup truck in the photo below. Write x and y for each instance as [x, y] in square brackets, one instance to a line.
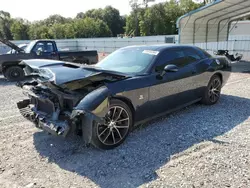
[40, 49]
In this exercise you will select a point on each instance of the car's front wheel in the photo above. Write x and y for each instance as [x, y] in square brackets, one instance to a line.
[116, 128]
[212, 91]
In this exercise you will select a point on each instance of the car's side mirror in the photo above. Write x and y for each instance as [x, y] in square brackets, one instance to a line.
[171, 68]
[168, 68]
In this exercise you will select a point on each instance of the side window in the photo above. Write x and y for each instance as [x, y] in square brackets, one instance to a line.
[44, 47]
[207, 55]
[167, 57]
[48, 47]
[192, 55]
[39, 47]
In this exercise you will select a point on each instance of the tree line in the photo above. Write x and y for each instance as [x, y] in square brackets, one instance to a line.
[158, 19]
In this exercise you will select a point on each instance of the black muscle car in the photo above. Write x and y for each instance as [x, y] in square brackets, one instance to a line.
[130, 86]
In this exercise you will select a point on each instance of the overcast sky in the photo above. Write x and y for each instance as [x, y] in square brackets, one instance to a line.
[40, 9]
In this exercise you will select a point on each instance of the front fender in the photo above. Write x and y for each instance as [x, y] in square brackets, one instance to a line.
[96, 102]
[92, 109]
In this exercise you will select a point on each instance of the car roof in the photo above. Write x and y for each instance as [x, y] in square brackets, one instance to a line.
[159, 47]
[44, 40]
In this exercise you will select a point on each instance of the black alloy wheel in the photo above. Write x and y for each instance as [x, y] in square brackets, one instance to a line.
[113, 132]
[212, 91]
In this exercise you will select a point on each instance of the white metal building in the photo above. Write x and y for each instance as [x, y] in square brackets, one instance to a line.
[240, 28]
[211, 23]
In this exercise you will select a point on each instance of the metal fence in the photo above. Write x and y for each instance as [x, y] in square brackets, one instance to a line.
[239, 43]
[106, 45]
[233, 46]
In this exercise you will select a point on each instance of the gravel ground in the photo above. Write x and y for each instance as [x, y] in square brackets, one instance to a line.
[200, 146]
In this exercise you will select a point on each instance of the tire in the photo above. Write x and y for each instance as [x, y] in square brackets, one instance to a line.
[115, 131]
[14, 73]
[212, 91]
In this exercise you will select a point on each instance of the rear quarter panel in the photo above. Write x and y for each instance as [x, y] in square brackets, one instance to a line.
[211, 66]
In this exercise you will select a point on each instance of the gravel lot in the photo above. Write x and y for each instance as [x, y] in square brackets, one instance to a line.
[199, 146]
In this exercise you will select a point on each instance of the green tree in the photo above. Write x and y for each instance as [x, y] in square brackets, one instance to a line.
[55, 19]
[19, 29]
[57, 31]
[39, 31]
[90, 27]
[113, 19]
[109, 15]
[133, 20]
[92, 13]
[159, 19]
[145, 24]
[62, 31]
[5, 24]
[189, 5]
[69, 30]
[172, 11]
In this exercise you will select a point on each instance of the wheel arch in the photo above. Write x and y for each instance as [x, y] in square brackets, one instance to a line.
[220, 76]
[127, 102]
[8, 64]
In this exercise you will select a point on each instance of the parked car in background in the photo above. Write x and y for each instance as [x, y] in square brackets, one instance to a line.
[130, 86]
[40, 49]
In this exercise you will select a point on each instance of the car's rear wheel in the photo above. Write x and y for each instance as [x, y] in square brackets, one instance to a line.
[14, 73]
[212, 91]
[116, 128]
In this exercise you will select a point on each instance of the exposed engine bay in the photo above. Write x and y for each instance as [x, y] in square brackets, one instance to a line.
[51, 107]
[59, 104]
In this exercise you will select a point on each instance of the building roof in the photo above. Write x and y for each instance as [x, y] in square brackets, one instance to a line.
[211, 23]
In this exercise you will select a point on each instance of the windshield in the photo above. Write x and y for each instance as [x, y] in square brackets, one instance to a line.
[29, 47]
[128, 60]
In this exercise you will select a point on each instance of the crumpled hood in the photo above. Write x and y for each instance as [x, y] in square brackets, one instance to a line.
[61, 73]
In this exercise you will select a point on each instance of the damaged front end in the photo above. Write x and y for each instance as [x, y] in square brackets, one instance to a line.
[59, 111]
[66, 98]
[45, 109]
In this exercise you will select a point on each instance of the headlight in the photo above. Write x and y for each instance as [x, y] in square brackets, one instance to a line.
[46, 73]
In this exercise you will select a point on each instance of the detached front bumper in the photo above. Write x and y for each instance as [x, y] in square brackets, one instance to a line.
[58, 127]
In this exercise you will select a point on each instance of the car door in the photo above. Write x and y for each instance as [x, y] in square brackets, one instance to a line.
[198, 60]
[174, 89]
